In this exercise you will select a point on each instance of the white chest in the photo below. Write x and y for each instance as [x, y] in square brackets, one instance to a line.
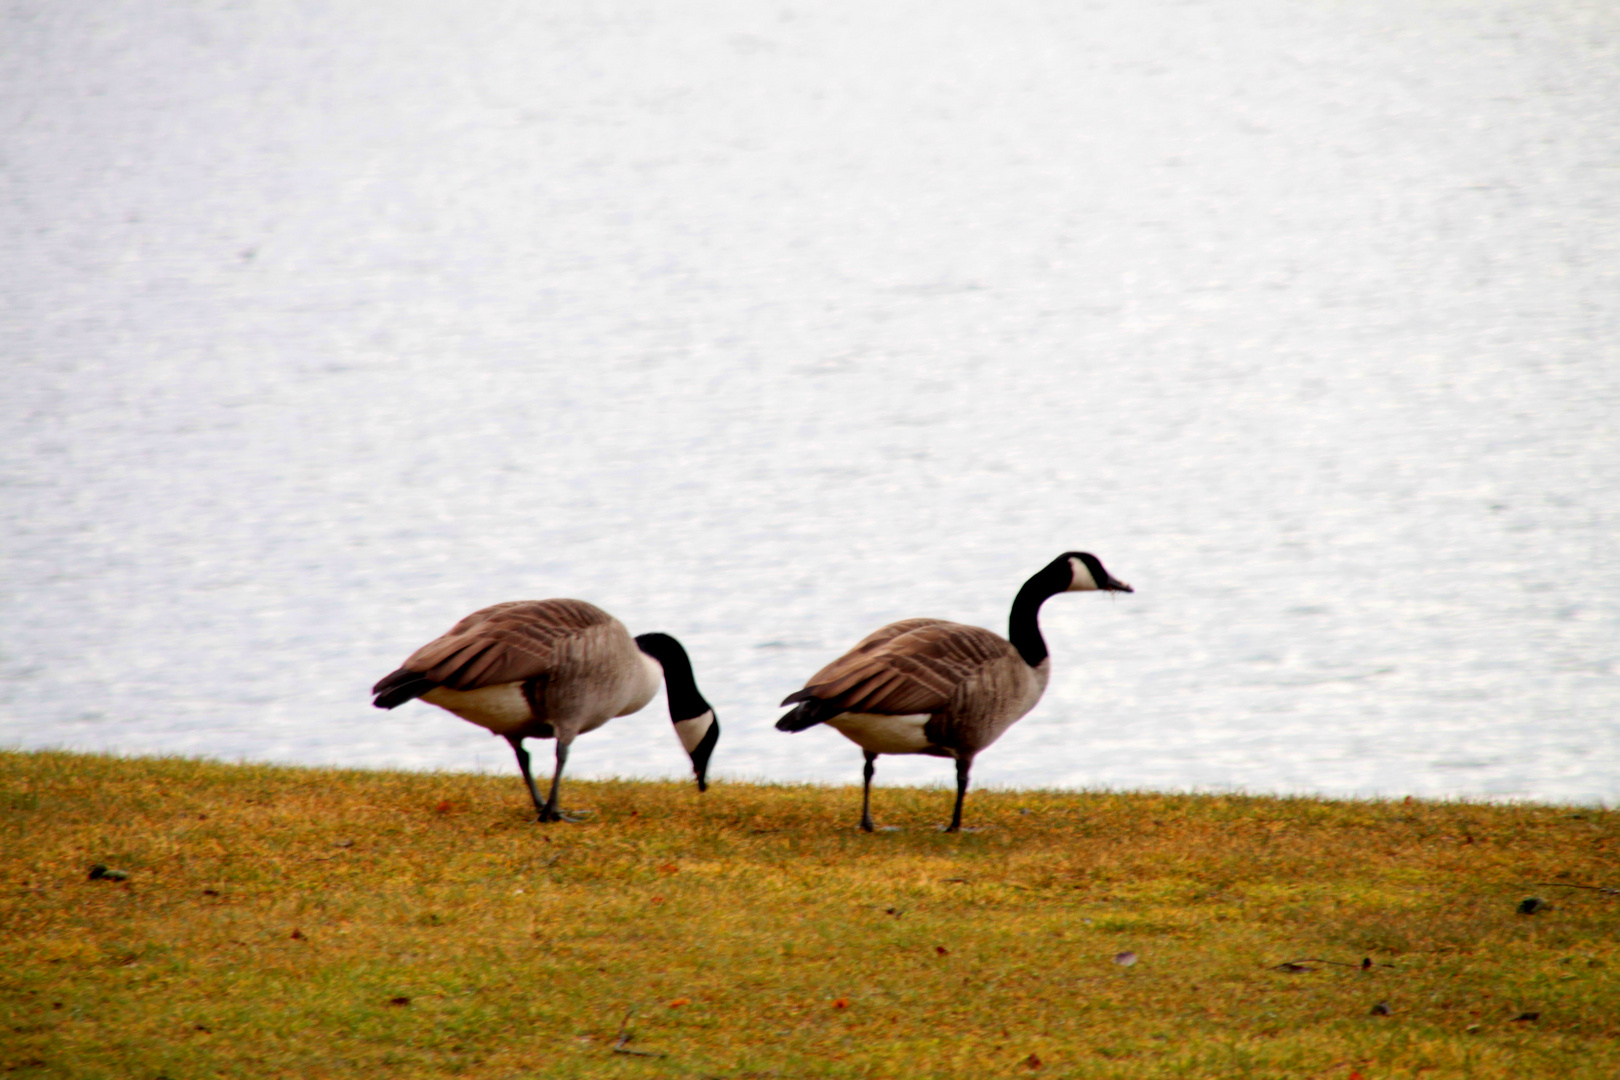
[640, 686]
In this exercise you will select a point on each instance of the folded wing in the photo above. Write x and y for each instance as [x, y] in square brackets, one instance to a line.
[503, 643]
[912, 666]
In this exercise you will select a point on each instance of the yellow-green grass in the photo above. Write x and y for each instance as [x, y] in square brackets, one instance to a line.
[287, 922]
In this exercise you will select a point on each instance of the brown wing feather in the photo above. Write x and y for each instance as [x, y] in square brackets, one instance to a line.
[915, 669]
[510, 642]
[852, 667]
[883, 635]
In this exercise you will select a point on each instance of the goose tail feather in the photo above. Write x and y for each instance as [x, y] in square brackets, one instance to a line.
[809, 713]
[402, 686]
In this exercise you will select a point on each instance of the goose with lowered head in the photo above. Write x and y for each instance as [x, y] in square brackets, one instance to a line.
[928, 686]
[553, 669]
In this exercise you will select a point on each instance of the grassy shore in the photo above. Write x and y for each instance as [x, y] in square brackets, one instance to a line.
[282, 922]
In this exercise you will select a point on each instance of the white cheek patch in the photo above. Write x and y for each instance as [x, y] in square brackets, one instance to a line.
[691, 731]
[1083, 581]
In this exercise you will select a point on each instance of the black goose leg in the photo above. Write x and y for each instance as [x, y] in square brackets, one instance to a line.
[963, 764]
[866, 792]
[528, 778]
[549, 812]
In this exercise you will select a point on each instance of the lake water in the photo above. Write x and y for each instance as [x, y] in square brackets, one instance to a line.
[766, 323]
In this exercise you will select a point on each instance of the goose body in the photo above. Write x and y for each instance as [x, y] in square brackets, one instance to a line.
[928, 686]
[552, 669]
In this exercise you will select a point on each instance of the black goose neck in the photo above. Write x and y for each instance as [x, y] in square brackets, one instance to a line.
[1024, 625]
[685, 702]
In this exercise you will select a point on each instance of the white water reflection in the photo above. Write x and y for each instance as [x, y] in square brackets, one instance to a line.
[763, 325]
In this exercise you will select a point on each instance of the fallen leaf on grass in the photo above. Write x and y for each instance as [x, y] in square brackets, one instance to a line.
[1032, 1062]
[1380, 1009]
[399, 1001]
[841, 1003]
[297, 934]
[1527, 1016]
[942, 950]
[678, 1002]
[1292, 968]
[1125, 959]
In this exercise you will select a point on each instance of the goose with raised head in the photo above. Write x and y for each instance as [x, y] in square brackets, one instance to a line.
[553, 669]
[928, 686]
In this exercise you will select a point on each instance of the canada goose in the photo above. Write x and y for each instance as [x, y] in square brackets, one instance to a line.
[928, 686]
[543, 669]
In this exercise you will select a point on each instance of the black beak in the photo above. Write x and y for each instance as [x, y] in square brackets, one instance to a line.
[1116, 585]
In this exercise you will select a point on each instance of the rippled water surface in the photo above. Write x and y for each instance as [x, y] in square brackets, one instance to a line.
[764, 324]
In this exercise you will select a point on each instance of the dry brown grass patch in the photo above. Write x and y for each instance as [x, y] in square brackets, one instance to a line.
[292, 922]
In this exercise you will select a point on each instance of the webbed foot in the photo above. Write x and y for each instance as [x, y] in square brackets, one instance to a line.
[572, 817]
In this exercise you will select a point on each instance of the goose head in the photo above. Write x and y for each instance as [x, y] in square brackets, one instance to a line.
[1087, 574]
[695, 723]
